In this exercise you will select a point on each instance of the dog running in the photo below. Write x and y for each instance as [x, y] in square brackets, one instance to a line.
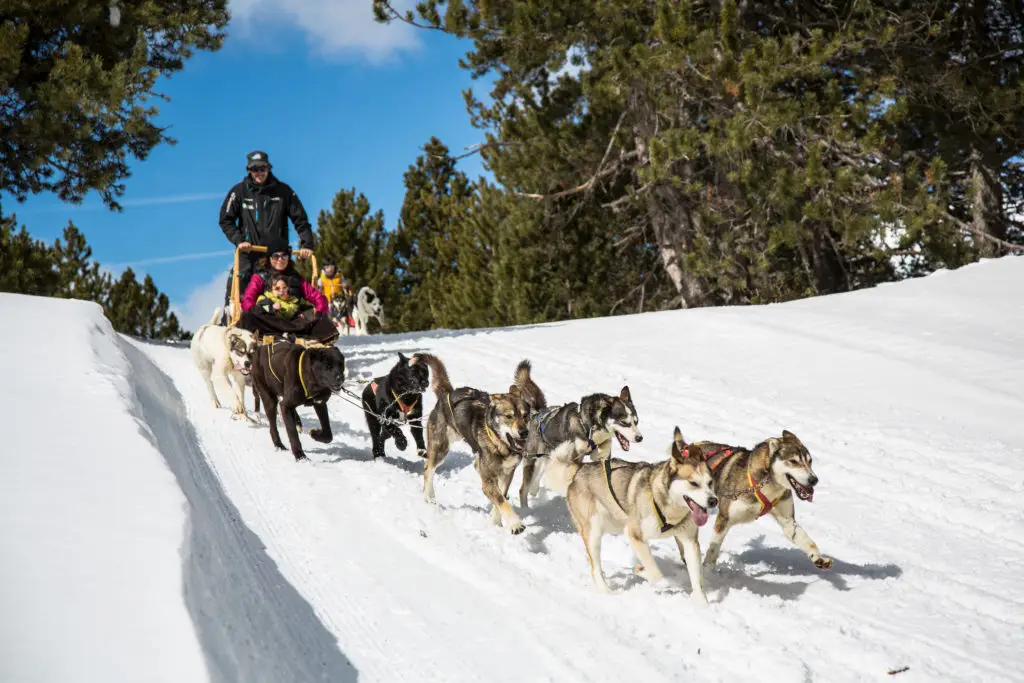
[588, 425]
[642, 500]
[494, 426]
[758, 482]
[224, 353]
[297, 376]
[397, 396]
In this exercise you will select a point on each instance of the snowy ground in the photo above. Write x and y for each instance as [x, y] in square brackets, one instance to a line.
[909, 397]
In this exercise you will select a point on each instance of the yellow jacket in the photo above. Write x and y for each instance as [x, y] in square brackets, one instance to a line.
[331, 286]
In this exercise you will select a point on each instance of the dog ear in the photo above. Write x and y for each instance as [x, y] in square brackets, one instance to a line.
[677, 438]
[513, 391]
[602, 412]
[774, 445]
[678, 446]
[790, 438]
[624, 395]
[402, 358]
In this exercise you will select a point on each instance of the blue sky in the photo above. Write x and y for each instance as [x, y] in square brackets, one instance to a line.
[335, 99]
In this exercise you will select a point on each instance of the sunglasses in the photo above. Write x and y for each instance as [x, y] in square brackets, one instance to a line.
[280, 254]
[259, 169]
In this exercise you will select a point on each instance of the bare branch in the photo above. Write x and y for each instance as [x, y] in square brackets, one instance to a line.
[585, 186]
[480, 146]
[967, 227]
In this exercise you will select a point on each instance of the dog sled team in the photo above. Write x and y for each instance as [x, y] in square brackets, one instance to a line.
[568, 448]
[282, 342]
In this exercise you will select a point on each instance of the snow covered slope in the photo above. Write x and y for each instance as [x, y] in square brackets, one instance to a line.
[91, 522]
[909, 397]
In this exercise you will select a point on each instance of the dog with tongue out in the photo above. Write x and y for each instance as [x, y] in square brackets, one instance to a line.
[765, 480]
[640, 500]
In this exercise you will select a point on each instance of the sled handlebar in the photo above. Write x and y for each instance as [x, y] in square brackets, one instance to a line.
[236, 292]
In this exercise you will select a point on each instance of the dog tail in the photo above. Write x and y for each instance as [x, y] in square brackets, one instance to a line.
[439, 381]
[561, 468]
[523, 380]
[216, 316]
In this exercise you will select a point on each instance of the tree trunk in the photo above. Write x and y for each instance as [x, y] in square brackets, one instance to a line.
[986, 205]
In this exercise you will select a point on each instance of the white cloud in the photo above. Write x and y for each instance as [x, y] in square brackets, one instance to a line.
[333, 28]
[201, 302]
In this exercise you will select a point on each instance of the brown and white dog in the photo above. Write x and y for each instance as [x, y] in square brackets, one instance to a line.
[759, 482]
[494, 426]
[224, 353]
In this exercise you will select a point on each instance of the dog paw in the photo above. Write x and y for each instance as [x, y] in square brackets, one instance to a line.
[699, 600]
[421, 452]
[517, 528]
[279, 447]
[320, 435]
[823, 563]
[401, 443]
[301, 457]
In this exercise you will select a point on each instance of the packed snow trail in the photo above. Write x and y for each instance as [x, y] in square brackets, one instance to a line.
[252, 624]
[907, 395]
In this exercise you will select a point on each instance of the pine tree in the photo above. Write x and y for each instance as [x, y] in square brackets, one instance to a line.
[353, 238]
[77, 78]
[422, 244]
[27, 266]
[759, 151]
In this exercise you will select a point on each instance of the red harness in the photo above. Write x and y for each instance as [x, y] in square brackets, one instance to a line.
[716, 459]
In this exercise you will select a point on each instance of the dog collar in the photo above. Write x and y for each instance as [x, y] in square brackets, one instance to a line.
[493, 437]
[766, 503]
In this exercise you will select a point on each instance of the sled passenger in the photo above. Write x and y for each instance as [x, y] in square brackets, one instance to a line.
[279, 267]
[279, 300]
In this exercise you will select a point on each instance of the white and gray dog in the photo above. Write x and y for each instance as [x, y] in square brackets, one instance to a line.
[224, 353]
[368, 306]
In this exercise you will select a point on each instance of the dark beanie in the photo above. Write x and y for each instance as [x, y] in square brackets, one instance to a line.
[277, 244]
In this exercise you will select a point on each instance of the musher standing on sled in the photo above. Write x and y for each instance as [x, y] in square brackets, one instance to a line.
[256, 211]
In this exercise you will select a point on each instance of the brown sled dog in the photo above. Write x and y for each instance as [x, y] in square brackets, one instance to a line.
[753, 483]
[494, 426]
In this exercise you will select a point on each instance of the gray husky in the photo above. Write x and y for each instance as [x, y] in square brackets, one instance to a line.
[642, 500]
[589, 426]
[762, 481]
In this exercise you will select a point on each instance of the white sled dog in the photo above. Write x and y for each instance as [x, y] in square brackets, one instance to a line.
[224, 353]
[367, 306]
[642, 500]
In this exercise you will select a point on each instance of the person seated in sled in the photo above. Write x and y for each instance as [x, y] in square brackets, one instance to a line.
[278, 300]
[315, 325]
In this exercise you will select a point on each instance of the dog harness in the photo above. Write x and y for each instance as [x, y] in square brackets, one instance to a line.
[716, 459]
[401, 406]
[302, 380]
[542, 420]
[664, 525]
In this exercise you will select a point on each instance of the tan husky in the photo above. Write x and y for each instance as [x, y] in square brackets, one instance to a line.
[640, 499]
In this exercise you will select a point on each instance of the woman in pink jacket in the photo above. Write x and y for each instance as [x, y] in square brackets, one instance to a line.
[314, 324]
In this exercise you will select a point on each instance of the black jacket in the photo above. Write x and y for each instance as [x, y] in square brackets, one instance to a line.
[256, 213]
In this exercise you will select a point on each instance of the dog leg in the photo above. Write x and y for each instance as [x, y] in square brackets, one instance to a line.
[401, 443]
[721, 529]
[592, 532]
[689, 547]
[437, 449]
[651, 571]
[529, 474]
[288, 414]
[785, 516]
[323, 435]
[492, 490]
[377, 439]
[270, 402]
